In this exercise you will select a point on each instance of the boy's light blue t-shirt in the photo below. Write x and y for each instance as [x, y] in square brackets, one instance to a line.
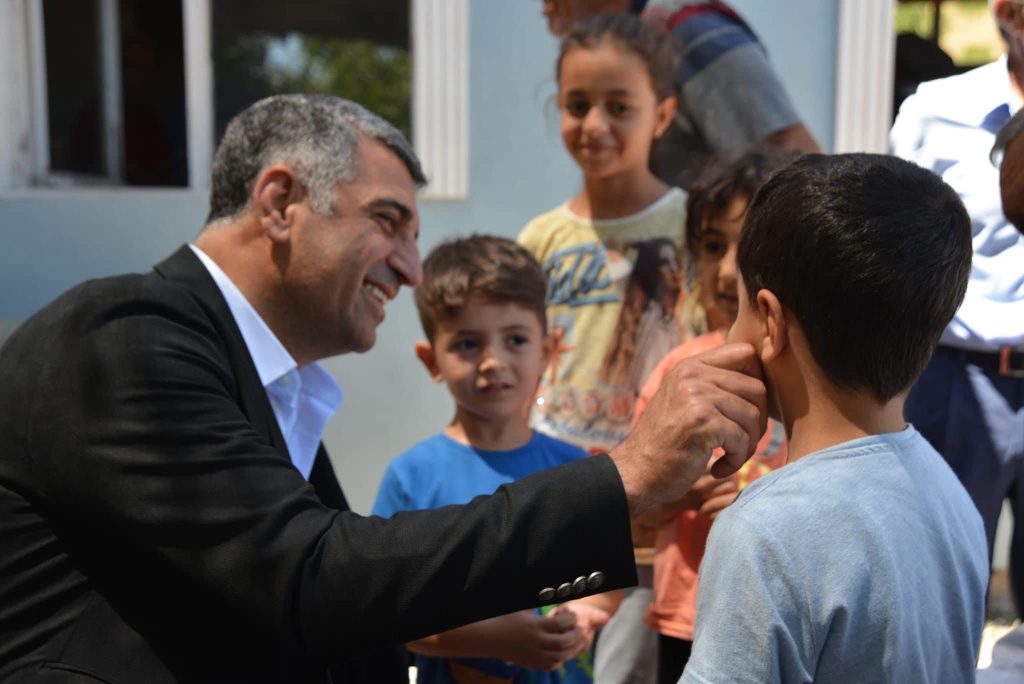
[864, 562]
[440, 471]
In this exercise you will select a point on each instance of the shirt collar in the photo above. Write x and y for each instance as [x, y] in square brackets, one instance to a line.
[302, 399]
[990, 91]
[269, 356]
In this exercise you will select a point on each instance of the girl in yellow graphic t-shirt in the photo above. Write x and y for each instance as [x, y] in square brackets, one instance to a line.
[616, 78]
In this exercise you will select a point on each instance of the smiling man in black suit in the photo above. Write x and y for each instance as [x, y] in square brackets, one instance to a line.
[167, 512]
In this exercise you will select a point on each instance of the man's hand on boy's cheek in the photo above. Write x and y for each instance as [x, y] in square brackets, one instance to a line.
[712, 400]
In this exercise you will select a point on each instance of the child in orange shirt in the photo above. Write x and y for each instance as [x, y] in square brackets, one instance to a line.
[716, 208]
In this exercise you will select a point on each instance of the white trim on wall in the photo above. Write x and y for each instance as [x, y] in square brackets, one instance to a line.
[15, 96]
[113, 110]
[440, 101]
[865, 67]
[40, 108]
[199, 115]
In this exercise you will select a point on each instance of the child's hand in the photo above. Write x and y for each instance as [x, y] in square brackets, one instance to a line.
[712, 400]
[589, 618]
[539, 642]
[714, 495]
[709, 495]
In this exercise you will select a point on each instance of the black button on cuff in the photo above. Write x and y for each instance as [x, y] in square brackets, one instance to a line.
[563, 591]
[595, 580]
[546, 594]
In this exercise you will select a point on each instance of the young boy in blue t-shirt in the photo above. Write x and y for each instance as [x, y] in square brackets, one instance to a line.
[863, 559]
[482, 307]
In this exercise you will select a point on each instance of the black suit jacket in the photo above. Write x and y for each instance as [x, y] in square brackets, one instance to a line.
[153, 528]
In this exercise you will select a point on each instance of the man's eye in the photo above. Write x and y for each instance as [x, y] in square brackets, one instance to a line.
[387, 221]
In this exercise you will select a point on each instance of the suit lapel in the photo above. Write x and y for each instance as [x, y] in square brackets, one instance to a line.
[325, 482]
[185, 268]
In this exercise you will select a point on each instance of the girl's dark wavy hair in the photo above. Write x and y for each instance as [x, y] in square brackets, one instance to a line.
[724, 178]
[658, 49]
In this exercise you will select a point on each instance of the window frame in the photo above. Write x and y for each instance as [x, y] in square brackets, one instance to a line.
[440, 102]
[112, 128]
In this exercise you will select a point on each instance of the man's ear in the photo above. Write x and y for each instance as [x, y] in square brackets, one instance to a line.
[774, 333]
[275, 195]
[665, 110]
[425, 353]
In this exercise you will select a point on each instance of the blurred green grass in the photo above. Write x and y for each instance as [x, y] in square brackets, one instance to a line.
[968, 30]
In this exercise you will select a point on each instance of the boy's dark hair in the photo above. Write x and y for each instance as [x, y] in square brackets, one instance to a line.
[721, 180]
[870, 253]
[657, 48]
[481, 268]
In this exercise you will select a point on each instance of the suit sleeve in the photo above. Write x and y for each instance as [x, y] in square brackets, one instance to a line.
[155, 455]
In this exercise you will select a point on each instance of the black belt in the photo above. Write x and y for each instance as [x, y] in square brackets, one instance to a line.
[1008, 361]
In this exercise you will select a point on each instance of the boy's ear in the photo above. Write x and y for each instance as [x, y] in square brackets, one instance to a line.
[664, 112]
[425, 353]
[774, 333]
[547, 350]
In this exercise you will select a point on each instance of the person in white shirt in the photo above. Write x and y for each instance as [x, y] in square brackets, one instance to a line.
[969, 403]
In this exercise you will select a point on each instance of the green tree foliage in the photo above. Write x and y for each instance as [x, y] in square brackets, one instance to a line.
[378, 77]
[253, 66]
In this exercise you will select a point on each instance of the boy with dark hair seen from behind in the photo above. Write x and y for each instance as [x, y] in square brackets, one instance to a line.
[482, 307]
[863, 559]
[715, 210]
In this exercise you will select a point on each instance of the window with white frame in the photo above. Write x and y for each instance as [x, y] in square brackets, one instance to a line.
[135, 92]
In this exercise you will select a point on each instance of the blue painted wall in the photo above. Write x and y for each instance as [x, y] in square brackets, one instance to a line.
[52, 240]
[800, 36]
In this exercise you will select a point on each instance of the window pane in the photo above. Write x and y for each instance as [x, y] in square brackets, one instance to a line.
[357, 50]
[145, 66]
[153, 93]
[72, 36]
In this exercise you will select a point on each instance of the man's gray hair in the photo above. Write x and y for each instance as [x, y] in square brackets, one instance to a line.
[316, 135]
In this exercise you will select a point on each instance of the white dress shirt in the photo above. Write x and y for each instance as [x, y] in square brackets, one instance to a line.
[948, 126]
[304, 398]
